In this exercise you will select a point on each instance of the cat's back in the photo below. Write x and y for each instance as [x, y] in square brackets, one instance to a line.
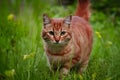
[82, 34]
[78, 21]
[81, 26]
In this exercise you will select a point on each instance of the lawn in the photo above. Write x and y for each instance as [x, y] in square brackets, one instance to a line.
[21, 47]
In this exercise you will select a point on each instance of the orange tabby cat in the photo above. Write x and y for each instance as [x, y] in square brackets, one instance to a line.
[68, 41]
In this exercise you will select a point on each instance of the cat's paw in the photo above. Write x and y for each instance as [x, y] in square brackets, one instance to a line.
[63, 73]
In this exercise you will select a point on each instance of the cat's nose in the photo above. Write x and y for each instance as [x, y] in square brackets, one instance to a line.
[57, 38]
[57, 41]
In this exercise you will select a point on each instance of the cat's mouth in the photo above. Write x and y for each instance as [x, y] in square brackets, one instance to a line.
[59, 43]
[56, 43]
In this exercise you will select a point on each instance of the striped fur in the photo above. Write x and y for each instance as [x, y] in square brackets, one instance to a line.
[68, 41]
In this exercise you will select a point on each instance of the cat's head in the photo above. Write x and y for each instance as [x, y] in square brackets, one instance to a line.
[56, 30]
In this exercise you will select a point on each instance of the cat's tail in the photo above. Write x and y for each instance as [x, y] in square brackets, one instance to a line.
[83, 9]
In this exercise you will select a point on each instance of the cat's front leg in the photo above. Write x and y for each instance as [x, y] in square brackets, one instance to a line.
[64, 72]
[83, 66]
[66, 68]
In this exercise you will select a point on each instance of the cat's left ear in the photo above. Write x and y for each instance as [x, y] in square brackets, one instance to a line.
[46, 19]
[68, 19]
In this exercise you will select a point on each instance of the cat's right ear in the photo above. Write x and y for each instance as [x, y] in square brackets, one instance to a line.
[46, 19]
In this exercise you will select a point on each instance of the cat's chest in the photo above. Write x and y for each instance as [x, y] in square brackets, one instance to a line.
[58, 54]
[59, 58]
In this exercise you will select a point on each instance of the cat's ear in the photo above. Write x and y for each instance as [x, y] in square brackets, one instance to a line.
[46, 19]
[68, 19]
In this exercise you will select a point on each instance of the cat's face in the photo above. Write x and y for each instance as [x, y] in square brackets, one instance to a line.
[56, 30]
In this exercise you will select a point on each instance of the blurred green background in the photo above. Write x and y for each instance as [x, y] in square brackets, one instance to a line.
[21, 46]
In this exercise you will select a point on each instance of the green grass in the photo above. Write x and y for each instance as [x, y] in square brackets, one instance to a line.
[21, 46]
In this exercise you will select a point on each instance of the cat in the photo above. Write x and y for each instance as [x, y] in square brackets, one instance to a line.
[68, 41]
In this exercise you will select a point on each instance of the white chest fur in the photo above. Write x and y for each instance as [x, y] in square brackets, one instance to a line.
[53, 59]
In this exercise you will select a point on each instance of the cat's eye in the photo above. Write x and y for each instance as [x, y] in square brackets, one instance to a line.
[51, 32]
[63, 32]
